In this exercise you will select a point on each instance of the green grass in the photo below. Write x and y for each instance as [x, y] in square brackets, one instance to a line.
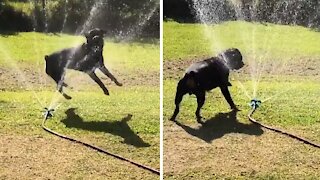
[30, 48]
[96, 118]
[288, 104]
[237, 151]
[293, 97]
[270, 41]
[94, 105]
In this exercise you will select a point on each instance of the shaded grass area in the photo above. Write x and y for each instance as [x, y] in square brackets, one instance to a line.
[30, 48]
[265, 41]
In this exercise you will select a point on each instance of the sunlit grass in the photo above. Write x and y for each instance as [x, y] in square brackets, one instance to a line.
[97, 119]
[266, 41]
[30, 48]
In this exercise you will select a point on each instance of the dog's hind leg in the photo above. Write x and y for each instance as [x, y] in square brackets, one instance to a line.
[201, 97]
[65, 85]
[107, 73]
[60, 85]
[99, 82]
[181, 91]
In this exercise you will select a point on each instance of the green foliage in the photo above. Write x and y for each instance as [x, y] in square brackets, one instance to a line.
[25, 7]
[124, 19]
[12, 19]
[293, 12]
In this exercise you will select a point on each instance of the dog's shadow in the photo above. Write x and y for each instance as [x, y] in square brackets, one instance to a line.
[118, 128]
[221, 124]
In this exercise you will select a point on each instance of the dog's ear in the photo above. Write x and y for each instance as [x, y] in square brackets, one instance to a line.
[103, 32]
[86, 35]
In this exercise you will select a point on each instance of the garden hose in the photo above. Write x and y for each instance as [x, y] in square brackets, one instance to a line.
[48, 114]
[255, 104]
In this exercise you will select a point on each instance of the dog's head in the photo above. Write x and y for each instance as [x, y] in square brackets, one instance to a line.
[96, 44]
[94, 33]
[233, 58]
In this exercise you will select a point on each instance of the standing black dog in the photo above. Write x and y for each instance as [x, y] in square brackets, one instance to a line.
[85, 58]
[206, 75]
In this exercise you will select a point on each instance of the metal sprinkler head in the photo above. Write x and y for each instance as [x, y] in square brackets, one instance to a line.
[255, 103]
[47, 113]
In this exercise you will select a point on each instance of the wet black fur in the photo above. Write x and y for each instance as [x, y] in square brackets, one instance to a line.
[206, 75]
[85, 58]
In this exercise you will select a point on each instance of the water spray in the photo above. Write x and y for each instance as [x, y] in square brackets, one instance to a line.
[48, 113]
[255, 103]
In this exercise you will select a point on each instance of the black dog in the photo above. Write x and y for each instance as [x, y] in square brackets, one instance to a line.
[206, 75]
[85, 58]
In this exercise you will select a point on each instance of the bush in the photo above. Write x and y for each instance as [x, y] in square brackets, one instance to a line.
[120, 18]
[298, 12]
[12, 20]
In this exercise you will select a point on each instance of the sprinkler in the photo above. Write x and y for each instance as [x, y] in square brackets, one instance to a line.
[47, 113]
[255, 103]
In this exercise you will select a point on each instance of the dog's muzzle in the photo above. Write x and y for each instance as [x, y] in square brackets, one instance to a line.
[96, 49]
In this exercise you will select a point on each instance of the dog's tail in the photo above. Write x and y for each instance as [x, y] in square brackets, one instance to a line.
[46, 57]
[190, 79]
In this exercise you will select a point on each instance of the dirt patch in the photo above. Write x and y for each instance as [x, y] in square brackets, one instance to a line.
[35, 78]
[52, 158]
[301, 67]
[235, 153]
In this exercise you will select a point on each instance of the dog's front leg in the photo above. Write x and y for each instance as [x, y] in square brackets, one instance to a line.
[99, 82]
[227, 96]
[107, 73]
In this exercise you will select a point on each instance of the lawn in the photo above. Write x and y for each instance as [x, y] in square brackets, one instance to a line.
[185, 41]
[32, 46]
[281, 70]
[125, 123]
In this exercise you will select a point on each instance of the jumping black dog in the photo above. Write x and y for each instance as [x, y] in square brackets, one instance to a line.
[206, 75]
[85, 58]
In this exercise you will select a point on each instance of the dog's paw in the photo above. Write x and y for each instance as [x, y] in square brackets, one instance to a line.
[118, 83]
[235, 108]
[66, 96]
[199, 119]
[173, 119]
